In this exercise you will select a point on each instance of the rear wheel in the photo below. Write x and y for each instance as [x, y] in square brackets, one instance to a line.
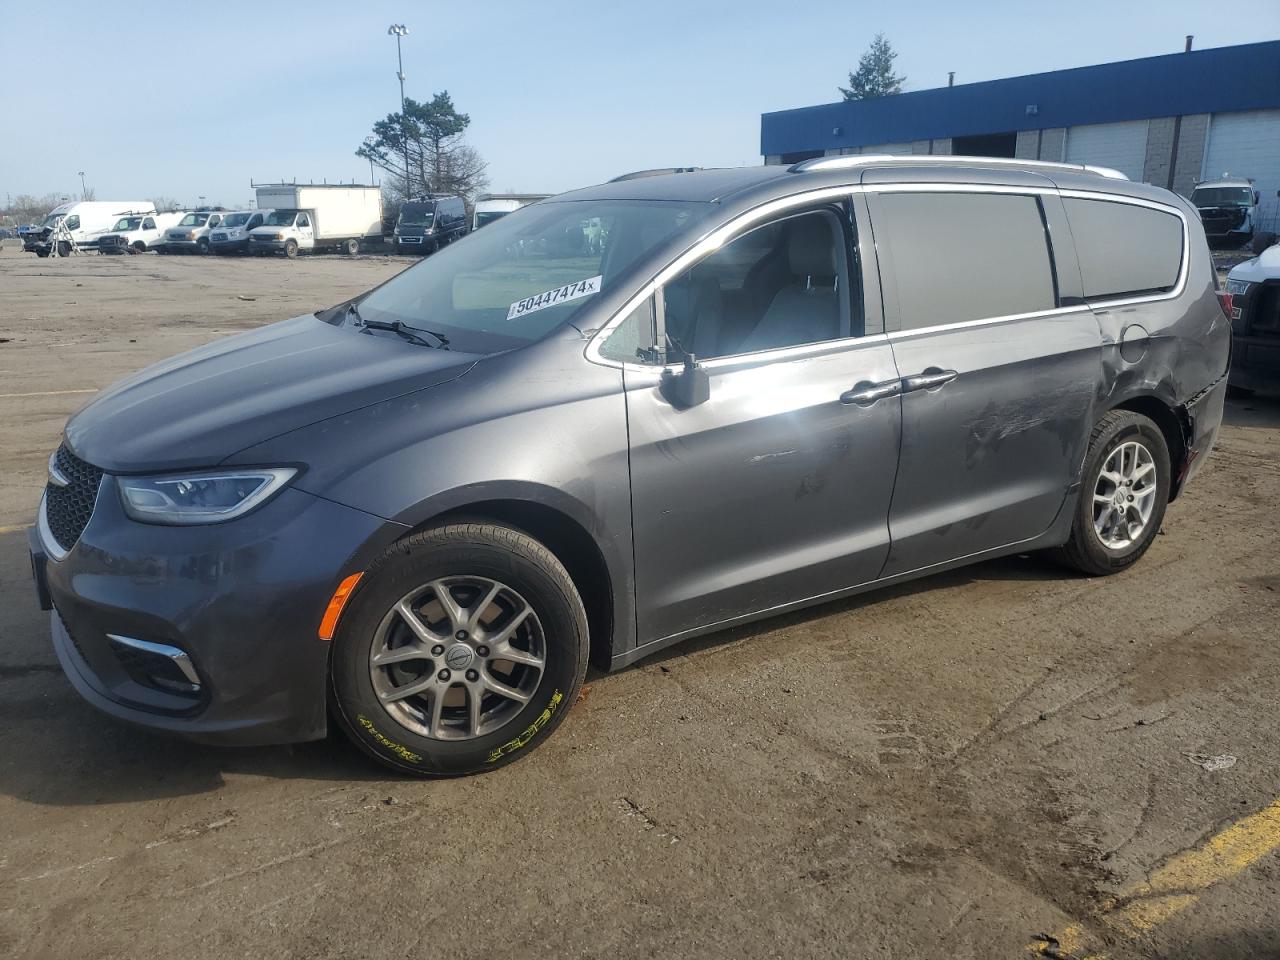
[462, 649]
[351, 247]
[1123, 495]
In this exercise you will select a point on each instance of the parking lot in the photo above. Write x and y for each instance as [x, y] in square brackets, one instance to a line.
[992, 762]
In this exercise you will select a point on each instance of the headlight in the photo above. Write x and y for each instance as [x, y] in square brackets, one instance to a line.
[1237, 288]
[200, 497]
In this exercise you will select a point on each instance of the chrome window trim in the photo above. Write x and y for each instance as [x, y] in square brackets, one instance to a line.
[716, 238]
[707, 244]
[1180, 285]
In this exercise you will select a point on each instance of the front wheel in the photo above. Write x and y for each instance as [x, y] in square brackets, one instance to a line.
[1123, 495]
[291, 248]
[461, 650]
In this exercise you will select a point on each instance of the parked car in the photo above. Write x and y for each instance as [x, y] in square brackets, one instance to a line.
[493, 206]
[316, 217]
[426, 225]
[423, 510]
[81, 221]
[191, 235]
[1253, 288]
[1228, 209]
[233, 235]
[137, 233]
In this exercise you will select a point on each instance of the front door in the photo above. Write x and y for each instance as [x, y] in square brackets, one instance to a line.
[776, 487]
[1000, 364]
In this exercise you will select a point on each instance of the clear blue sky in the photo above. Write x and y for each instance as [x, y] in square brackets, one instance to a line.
[187, 99]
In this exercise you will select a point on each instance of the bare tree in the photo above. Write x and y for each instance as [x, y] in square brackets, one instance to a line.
[165, 204]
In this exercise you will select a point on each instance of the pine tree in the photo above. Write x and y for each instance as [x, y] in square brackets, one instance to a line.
[874, 76]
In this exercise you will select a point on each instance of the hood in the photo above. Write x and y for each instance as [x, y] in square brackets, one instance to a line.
[1265, 266]
[200, 407]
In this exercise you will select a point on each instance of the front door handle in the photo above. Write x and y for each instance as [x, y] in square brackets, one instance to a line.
[864, 394]
[930, 379]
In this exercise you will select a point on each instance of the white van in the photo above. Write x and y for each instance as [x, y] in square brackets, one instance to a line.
[137, 233]
[82, 221]
[191, 233]
[490, 206]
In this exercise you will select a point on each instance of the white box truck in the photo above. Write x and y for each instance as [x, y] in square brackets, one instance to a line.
[316, 217]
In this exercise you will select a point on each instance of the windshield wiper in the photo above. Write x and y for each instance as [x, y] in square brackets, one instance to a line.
[400, 329]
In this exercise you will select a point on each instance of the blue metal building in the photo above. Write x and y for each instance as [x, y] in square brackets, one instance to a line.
[1169, 120]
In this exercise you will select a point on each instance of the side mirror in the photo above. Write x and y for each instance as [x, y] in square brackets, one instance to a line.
[1257, 197]
[688, 388]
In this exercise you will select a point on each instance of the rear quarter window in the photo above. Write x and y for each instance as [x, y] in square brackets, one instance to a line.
[1124, 250]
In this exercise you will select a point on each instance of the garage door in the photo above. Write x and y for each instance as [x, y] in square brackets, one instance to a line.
[1122, 146]
[1247, 144]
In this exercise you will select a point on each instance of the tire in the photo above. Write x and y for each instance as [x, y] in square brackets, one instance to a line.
[291, 249]
[202, 246]
[138, 247]
[1086, 550]
[472, 559]
[351, 247]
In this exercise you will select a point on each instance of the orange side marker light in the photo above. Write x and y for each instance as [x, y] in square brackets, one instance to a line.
[329, 622]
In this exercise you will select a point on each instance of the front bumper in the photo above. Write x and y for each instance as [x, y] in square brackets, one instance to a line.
[240, 601]
[174, 245]
[229, 246]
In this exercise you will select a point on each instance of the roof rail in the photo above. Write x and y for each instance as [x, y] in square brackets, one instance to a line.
[866, 159]
[656, 172]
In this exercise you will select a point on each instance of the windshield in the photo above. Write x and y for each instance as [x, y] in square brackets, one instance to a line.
[194, 220]
[1222, 197]
[281, 218]
[128, 223]
[52, 219]
[489, 216]
[417, 214]
[530, 273]
[236, 220]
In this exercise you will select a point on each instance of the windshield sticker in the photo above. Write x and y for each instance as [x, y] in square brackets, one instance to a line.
[552, 298]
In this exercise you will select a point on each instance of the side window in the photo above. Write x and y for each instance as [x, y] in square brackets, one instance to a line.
[72, 222]
[254, 221]
[782, 284]
[304, 220]
[1124, 249]
[964, 256]
[148, 224]
[215, 220]
[635, 334]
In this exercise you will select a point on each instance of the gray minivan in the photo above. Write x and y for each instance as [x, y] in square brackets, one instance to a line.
[619, 418]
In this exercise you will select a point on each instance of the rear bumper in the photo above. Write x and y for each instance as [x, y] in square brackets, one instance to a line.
[1204, 415]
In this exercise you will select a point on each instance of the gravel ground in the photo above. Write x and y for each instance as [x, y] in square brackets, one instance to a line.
[947, 768]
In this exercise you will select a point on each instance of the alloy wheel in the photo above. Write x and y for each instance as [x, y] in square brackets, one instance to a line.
[1124, 495]
[457, 658]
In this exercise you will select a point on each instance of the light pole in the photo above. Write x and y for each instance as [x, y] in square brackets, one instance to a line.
[399, 30]
[83, 190]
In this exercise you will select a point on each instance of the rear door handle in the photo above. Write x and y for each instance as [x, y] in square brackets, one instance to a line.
[864, 394]
[930, 379]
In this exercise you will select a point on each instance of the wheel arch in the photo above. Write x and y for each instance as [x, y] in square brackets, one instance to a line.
[573, 546]
[1175, 426]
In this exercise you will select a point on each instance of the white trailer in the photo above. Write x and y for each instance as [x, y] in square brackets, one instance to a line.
[316, 217]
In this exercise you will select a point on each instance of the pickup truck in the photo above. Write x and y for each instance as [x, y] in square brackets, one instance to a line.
[137, 233]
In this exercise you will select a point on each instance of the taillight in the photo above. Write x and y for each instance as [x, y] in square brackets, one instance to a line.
[1224, 300]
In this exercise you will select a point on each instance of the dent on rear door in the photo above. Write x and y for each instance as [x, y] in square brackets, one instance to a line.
[990, 458]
